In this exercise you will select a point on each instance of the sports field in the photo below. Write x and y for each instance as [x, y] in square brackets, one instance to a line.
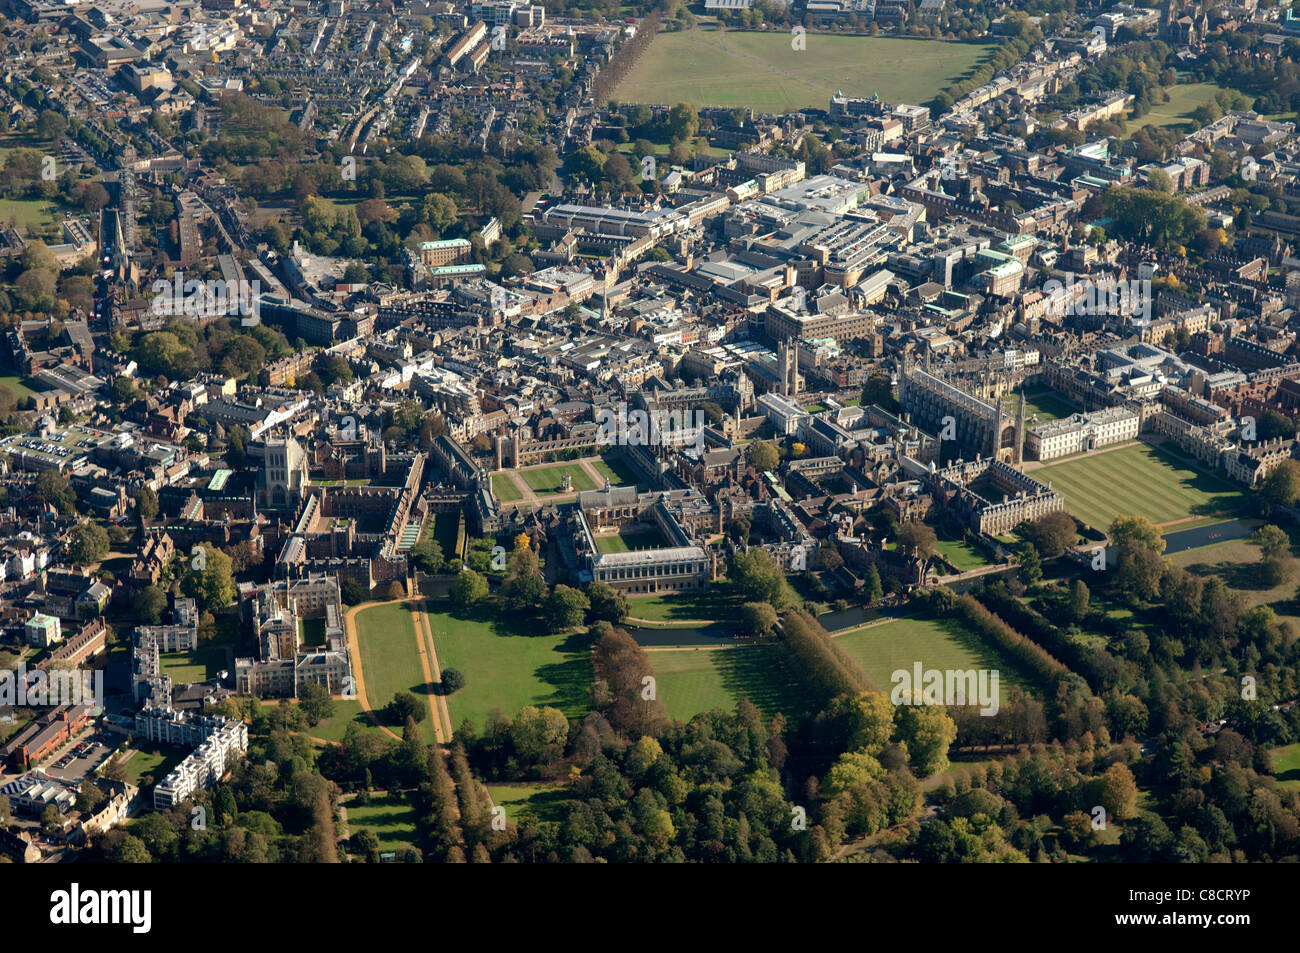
[1139, 480]
[548, 479]
[509, 669]
[690, 681]
[942, 644]
[390, 658]
[709, 67]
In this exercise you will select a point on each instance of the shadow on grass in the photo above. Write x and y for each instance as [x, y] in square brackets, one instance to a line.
[571, 679]
[759, 673]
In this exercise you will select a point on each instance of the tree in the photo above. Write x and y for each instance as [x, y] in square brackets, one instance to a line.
[1052, 534]
[536, 728]
[607, 603]
[1117, 792]
[524, 589]
[872, 590]
[879, 390]
[759, 578]
[871, 720]
[757, 618]
[396, 590]
[1282, 485]
[428, 556]
[1031, 567]
[50, 125]
[90, 798]
[315, 702]
[1079, 599]
[403, 706]
[146, 503]
[762, 455]
[51, 820]
[149, 604]
[918, 539]
[87, 543]
[350, 592]
[1137, 530]
[52, 488]
[1271, 540]
[565, 608]
[468, 589]
[210, 580]
[927, 731]
[453, 680]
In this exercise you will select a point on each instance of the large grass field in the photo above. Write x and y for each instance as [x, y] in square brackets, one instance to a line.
[1286, 766]
[200, 665]
[1138, 480]
[26, 213]
[390, 658]
[761, 70]
[1183, 98]
[942, 644]
[548, 479]
[689, 681]
[509, 668]
[390, 817]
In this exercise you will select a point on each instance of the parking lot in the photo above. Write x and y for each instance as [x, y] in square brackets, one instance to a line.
[80, 758]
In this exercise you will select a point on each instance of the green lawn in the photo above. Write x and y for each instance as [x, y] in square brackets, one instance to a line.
[1183, 98]
[1138, 480]
[1236, 562]
[157, 762]
[716, 602]
[311, 631]
[1286, 766]
[197, 666]
[962, 555]
[16, 385]
[389, 817]
[26, 213]
[548, 479]
[1046, 405]
[630, 539]
[446, 529]
[390, 658]
[761, 70]
[509, 668]
[504, 489]
[690, 681]
[347, 711]
[615, 470]
[941, 644]
[542, 802]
